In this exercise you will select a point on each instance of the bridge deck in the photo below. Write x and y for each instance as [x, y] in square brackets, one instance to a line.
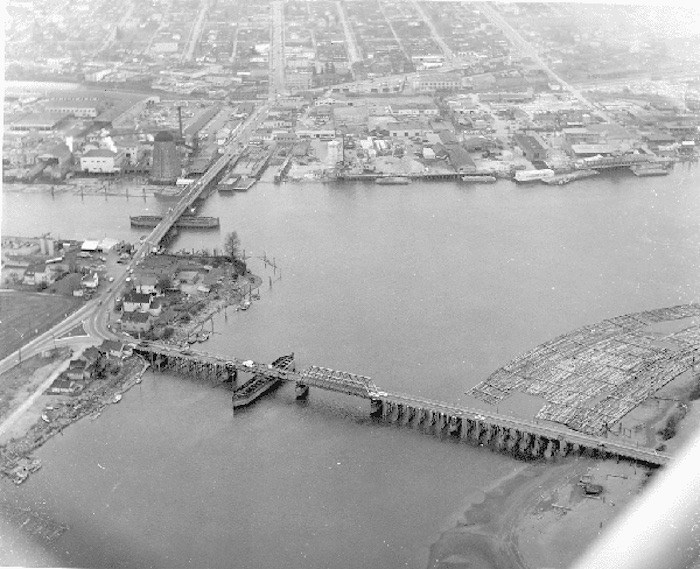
[362, 386]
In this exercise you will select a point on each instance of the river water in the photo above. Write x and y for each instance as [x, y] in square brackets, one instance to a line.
[426, 288]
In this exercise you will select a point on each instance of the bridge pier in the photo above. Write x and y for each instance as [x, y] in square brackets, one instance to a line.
[563, 448]
[376, 407]
[301, 391]
[454, 426]
[550, 450]
[525, 442]
[536, 450]
[410, 414]
[512, 440]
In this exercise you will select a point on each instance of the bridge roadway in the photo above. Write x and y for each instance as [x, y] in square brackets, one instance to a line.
[196, 189]
[361, 386]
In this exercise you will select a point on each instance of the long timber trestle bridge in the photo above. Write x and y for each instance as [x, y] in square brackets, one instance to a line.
[505, 433]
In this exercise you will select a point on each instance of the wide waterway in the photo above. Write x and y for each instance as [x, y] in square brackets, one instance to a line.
[426, 288]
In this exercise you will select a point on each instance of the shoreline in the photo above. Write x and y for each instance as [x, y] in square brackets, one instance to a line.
[16, 460]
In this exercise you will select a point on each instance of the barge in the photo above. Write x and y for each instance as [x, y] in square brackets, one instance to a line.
[479, 178]
[650, 169]
[261, 383]
[151, 221]
[561, 179]
[393, 181]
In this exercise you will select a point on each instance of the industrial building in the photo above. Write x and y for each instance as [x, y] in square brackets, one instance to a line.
[166, 168]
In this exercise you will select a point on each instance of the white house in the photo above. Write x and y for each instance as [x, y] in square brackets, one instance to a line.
[101, 161]
[136, 302]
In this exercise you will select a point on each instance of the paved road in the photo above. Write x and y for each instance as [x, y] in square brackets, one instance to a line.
[529, 50]
[94, 315]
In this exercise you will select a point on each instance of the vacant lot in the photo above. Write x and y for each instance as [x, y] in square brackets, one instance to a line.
[25, 315]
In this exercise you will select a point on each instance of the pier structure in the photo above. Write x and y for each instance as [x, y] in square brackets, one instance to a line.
[504, 433]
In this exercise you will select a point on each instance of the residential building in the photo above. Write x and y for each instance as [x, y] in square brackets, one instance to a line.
[136, 302]
[137, 322]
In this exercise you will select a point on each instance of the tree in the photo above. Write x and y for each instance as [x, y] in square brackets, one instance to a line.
[232, 245]
[164, 282]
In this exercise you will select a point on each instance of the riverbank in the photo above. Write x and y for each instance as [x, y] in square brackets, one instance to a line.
[540, 517]
[16, 460]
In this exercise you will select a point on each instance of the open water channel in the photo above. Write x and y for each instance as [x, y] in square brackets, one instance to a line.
[426, 288]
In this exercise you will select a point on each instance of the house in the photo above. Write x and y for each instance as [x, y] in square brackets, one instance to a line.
[101, 161]
[90, 282]
[115, 349]
[156, 307]
[137, 322]
[38, 273]
[64, 386]
[136, 302]
[147, 284]
[77, 370]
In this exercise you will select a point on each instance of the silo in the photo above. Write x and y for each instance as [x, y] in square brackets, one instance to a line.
[166, 159]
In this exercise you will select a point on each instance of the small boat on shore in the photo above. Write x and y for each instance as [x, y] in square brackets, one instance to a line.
[45, 418]
[117, 398]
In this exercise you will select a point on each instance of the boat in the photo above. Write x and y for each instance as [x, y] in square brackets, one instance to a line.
[532, 175]
[45, 418]
[192, 339]
[263, 382]
[393, 180]
[139, 379]
[560, 179]
[117, 398]
[649, 169]
[245, 305]
[202, 337]
[479, 179]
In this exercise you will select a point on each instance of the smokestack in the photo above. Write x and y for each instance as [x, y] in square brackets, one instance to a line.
[179, 118]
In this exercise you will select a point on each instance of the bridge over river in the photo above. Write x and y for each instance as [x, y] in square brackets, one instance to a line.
[506, 433]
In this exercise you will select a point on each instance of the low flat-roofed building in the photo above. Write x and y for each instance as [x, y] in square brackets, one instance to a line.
[37, 121]
[583, 150]
[82, 109]
[406, 130]
[532, 147]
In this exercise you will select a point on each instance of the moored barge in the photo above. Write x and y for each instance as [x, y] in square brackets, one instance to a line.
[261, 383]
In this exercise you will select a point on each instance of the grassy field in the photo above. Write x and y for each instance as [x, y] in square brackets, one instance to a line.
[25, 315]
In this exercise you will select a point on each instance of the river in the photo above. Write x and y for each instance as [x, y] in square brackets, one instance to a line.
[426, 288]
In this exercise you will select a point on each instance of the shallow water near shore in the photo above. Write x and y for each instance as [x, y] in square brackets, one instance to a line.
[426, 288]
